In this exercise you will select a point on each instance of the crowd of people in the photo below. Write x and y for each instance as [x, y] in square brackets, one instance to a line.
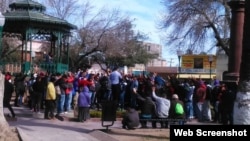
[143, 96]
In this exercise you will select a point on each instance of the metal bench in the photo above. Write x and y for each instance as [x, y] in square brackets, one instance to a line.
[170, 121]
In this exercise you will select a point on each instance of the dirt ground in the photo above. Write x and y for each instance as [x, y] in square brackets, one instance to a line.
[150, 134]
[13, 135]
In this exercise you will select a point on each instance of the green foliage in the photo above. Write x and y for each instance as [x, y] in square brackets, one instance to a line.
[95, 114]
[120, 114]
[98, 114]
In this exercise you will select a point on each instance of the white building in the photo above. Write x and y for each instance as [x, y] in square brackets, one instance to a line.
[221, 65]
[156, 49]
[158, 62]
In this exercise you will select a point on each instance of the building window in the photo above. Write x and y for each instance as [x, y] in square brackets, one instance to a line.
[148, 48]
[198, 63]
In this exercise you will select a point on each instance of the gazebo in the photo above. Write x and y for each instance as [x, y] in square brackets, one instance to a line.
[27, 21]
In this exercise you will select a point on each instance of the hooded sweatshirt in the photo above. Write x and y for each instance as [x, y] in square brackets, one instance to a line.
[162, 106]
[84, 99]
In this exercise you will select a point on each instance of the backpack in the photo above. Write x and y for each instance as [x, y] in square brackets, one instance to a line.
[179, 109]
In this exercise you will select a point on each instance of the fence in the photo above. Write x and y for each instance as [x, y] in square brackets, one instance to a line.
[26, 67]
[13, 68]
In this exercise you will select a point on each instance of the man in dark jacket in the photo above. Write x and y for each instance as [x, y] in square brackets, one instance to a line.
[130, 119]
[172, 111]
[148, 109]
[227, 103]
[8, 90]
[38, 88]
[61, 82]
[19, 88]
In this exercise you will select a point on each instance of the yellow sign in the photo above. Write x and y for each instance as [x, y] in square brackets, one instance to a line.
[197, 62]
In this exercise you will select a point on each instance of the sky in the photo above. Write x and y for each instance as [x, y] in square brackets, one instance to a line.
[146, 14]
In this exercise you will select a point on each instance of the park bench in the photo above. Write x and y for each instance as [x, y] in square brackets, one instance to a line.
[170, 121]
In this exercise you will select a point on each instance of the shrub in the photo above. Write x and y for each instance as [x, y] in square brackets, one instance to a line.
[95, 114]
[98, 114]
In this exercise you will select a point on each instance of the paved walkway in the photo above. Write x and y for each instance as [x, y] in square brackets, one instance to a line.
[32, 126]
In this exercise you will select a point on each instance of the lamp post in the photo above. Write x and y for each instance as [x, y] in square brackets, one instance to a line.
[68, 40]
[210, 59]
[33, 55]
[179, 54]
[2, 21]
[66, 43]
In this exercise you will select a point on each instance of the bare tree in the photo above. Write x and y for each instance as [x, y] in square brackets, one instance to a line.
[11, 49]
[105, 31]
[192, 24]
[64, 9]
[106, 37]
[4, 5]
[6, 134]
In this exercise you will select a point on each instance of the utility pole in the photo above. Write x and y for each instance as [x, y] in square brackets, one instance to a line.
[171, 61]
[236, 37]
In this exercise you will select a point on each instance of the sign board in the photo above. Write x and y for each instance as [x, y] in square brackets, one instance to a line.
[197, 70]
[197, 62]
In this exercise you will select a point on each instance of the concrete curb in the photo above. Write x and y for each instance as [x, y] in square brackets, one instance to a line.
[22, 135]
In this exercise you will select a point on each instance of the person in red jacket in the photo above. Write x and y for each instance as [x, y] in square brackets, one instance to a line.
[200, 97]
[83, 81]
[69, 92]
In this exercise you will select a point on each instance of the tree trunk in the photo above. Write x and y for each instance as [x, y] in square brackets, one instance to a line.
[242, 104]
[6, 134]
[242, 101]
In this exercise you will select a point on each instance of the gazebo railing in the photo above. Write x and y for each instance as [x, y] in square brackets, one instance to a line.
[11, 67]
[54, 67]
[26, 67]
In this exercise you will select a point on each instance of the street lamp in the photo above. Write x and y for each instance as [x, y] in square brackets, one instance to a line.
[2, 21]
[65, 48]
[33, 55]
[68, 40]
[210, 59]
[179, 54]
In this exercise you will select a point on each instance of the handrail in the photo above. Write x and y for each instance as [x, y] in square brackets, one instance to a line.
[26, 67]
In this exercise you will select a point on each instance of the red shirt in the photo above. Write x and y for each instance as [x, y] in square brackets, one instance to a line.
[84, 82]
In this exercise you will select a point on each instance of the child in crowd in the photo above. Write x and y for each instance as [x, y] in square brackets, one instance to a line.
[84, 101]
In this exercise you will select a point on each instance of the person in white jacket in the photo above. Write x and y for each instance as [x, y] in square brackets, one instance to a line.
[162, 107]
